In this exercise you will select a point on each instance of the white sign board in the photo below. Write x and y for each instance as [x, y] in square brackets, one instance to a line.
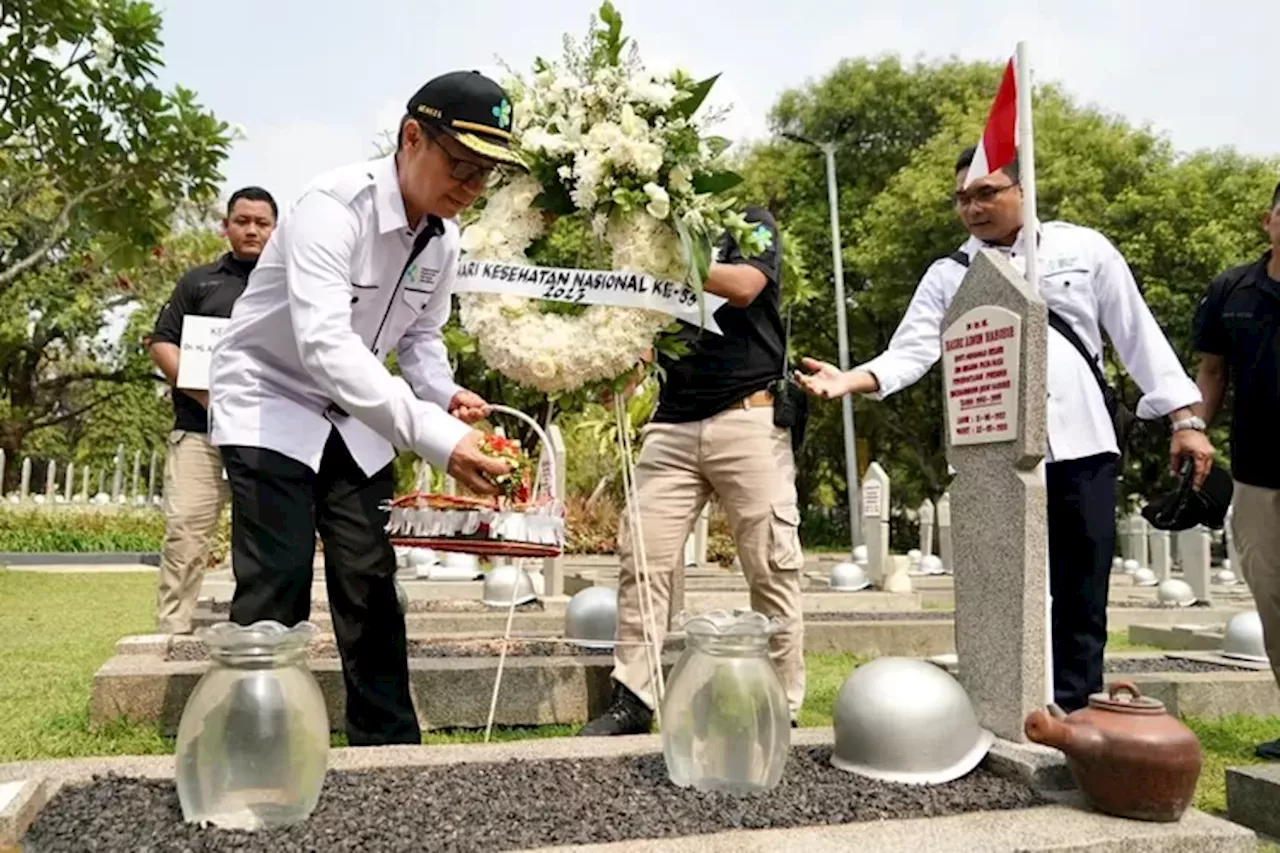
[872, 499]
[199, 334]
[618, 288]
[980, 360]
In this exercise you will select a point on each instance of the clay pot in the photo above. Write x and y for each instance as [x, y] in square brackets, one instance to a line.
[1129, 757]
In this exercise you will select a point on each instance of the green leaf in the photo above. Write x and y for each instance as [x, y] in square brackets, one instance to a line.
[697, 95]
[718, 145]
[554, 199]
[715, 182]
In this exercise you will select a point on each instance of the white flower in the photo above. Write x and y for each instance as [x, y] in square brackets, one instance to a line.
[659, 206]
[104, 48]
[680, 180]
[644, 88]
[632, 125]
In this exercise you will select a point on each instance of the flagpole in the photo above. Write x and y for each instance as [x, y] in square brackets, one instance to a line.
[1027, 176]
[1027, 162]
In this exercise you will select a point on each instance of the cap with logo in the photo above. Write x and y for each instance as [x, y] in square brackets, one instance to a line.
[473, 110]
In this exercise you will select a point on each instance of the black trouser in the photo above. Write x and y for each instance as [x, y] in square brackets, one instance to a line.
[1082, 541]
[278, 505]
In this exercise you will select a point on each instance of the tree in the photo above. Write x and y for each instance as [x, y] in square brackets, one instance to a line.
[1178, 220]
[95, 161]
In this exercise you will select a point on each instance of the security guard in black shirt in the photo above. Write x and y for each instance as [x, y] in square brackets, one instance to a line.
[1237, 333]
[194, 489]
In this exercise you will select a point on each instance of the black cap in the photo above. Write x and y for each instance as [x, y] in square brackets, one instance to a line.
[473, 109]
[1187, 508]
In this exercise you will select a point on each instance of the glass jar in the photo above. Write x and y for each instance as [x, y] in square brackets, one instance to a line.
[253, 742]
[725, 721]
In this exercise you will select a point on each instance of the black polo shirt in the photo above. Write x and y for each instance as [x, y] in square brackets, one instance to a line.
[720, 370]
[209, 291]
[1239, 319]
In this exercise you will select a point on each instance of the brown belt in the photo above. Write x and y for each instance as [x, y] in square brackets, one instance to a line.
[758, 400]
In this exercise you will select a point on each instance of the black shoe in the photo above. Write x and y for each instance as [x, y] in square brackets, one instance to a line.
[1269, 751]
[626, 716]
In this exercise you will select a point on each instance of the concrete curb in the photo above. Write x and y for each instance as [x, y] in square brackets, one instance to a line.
[86, 558]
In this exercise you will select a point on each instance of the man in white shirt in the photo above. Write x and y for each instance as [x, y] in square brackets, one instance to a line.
[1086, 282]
[307, 415]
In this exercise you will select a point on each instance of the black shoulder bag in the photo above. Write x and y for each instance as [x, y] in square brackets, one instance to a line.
[1122, 419]
[790, 402]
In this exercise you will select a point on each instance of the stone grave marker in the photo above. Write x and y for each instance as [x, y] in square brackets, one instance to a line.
[1193, 555]
[117, 476]
[137, 472]
[926, 527]
[2, 472]
[69, 484]
[553, 567]
[1124, 530]
[994, 355]
[84, 485]
[945, 551]
[151, 479]
[51, 479]
[875, 522]
[102, 482]
[24, 486]
[1161, 554]
[1229, 532]
[1139, 530]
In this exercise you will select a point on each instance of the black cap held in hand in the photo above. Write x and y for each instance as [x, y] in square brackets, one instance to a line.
[473, 110]
[1187, 508]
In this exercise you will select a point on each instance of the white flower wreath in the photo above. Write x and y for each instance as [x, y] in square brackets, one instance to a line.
[619, 147]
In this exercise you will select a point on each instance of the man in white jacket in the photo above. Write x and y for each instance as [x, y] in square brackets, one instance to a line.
[1084, 281]
[307, 415]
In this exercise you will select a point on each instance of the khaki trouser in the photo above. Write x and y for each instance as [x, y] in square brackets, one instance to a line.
[194, 495]
[1255, 525]
[747, 462]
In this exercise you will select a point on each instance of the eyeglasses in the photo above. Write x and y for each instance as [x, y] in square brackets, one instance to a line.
[466, 171]
[982, 195]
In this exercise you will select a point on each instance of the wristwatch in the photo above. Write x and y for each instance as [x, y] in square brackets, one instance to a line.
[1192, 422]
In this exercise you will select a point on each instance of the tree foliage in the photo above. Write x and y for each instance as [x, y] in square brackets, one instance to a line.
[95, 162]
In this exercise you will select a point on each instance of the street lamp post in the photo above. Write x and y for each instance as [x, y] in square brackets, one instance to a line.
[842, 335]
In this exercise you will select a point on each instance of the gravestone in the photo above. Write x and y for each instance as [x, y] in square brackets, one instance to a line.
[875, 522]
[945, 552]
[51, 478]
[151, 479]
[926, 527]
[102, 483]
[1229, 532]
[24, 486]
[1193, 556]
[553, 567]
[84, 487]
[117, 476]
[2, 472]
[695, 546]
[68, 487]
[137, 471]
[994, 392]
[1124, 530]
[1161, 554]
[1139, 529]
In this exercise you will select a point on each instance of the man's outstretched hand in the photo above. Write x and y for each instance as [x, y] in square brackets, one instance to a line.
[474, 469]
[468, 407]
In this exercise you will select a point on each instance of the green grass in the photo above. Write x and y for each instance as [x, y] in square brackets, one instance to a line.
[57, 629]
[1118, 641]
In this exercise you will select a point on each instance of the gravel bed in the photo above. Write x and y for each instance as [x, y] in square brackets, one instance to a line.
[510, 806]
[438, 605]
[326, 647]
[885, 616]
[1120, 666]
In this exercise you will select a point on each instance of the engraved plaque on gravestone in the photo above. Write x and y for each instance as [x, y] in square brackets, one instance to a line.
[980, 375]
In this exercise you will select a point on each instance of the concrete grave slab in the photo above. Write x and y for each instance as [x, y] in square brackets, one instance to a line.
[1253, 797]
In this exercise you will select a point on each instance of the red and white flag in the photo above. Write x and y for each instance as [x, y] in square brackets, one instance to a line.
[999, 143]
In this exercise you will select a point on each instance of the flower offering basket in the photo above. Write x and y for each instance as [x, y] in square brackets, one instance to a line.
[491, 527]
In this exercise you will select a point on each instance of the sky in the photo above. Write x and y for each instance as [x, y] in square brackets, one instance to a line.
[312, 83]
